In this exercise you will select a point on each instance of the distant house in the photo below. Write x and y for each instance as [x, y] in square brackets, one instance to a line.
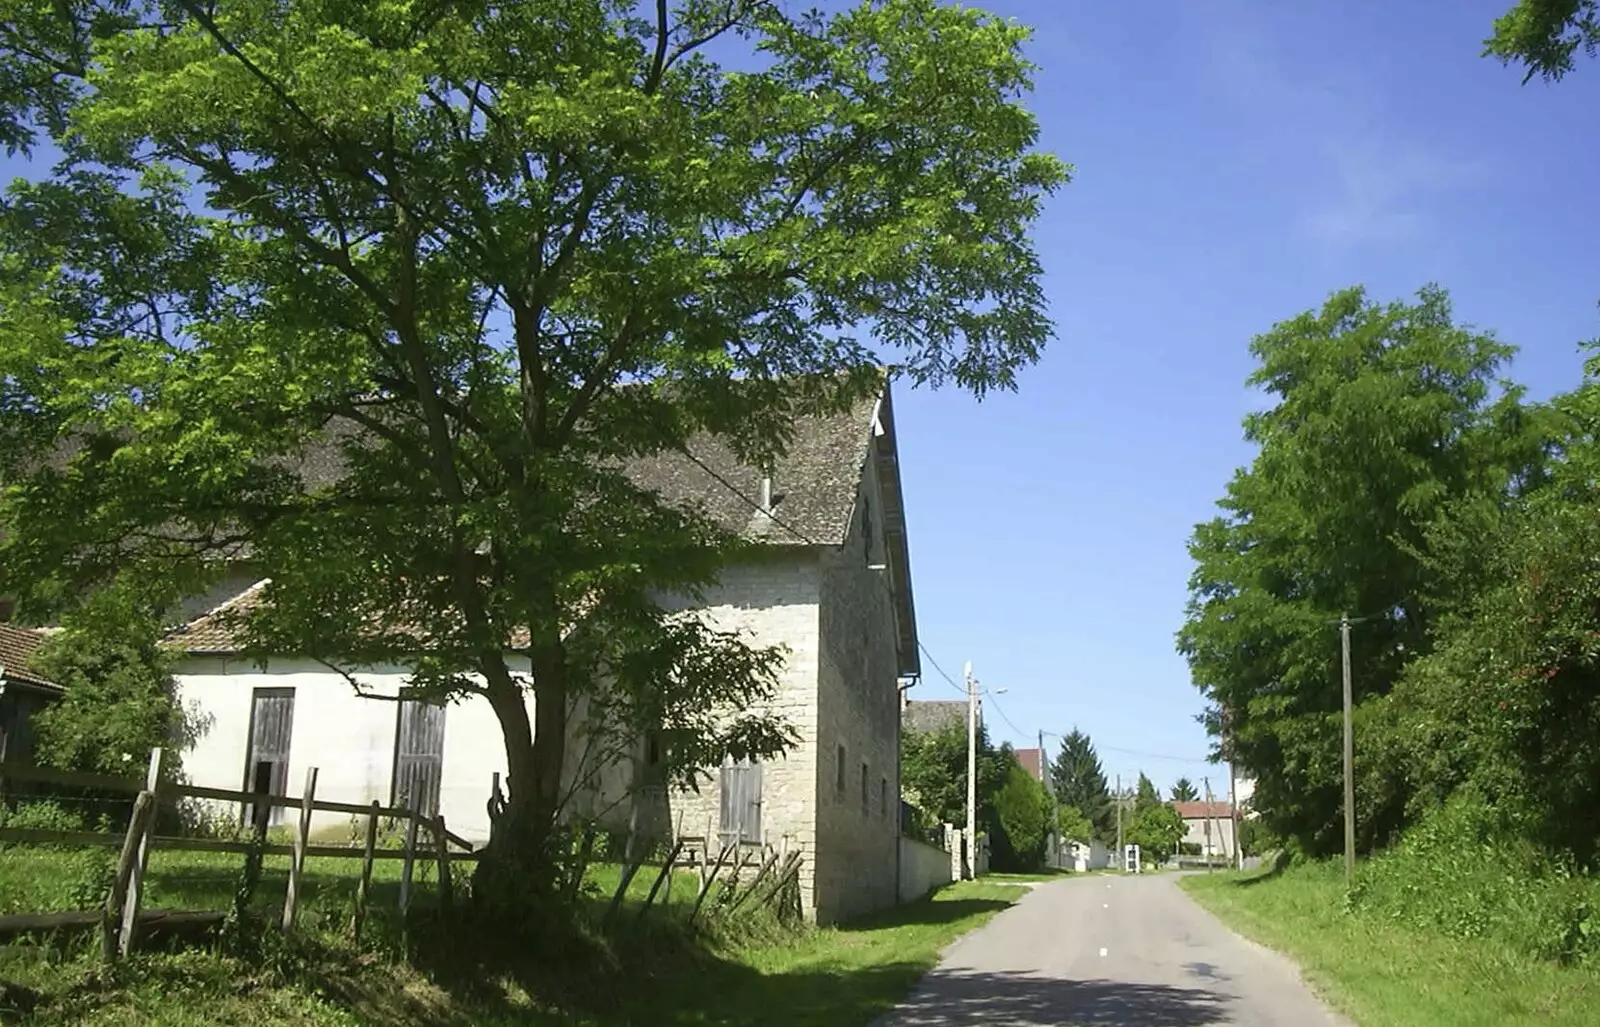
[1032, 761]
[830, 581]
[1208, 825]
[929, 716]
[23, 691]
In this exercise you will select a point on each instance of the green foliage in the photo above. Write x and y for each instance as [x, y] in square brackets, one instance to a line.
[1465, 871]
[1156, 829]
[1255, 839]
[1079, 782]
[1073, 825]
[489, 254]
[1025, 815]
[1544, 35]
[1387, 422]
[120, 699]
[1145, 795]
[933, 775]
[1183, 790]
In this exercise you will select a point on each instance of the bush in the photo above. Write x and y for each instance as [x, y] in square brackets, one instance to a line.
[1463, 871]
[1025, 816]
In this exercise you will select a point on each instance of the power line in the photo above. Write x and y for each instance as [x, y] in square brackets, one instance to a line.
[996, 703]
[935, 664]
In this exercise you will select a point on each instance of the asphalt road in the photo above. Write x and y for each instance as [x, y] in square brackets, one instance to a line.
[1103, 951]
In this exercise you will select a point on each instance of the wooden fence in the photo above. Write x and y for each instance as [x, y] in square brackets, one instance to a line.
[122, 916]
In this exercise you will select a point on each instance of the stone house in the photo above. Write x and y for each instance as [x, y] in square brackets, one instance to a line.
[830, 581]
[1208, 825]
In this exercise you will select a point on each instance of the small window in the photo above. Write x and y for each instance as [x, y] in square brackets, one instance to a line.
[838, 782]
[883, 799]
[865, 809]
[866, 527]
[652, 748]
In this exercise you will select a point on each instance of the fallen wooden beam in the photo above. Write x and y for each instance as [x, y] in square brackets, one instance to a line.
[152, 922]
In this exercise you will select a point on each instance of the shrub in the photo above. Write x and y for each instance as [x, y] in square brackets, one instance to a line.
[1463, 871]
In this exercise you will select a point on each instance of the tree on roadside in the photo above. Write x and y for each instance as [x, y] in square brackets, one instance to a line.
[1183, 790]
[1388, 420]
[1545, 35]
[1145, 795]
[1079, 782]
[1157, 830]
[491, 252]
[1073, 825]
[1024, 813]
[933, 774]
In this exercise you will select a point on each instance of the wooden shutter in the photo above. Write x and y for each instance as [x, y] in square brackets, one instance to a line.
[419, 756]
[741, 802]
[271, 733]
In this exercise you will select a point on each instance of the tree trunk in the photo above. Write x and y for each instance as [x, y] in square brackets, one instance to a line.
[517, 873]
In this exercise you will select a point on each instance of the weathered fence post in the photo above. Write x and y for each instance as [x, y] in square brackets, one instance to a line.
[130, 911]
[365, 886]
[410, 862]
[665, 875]
[705, 886]
[297, 862]
[143, 806]
[445, 896]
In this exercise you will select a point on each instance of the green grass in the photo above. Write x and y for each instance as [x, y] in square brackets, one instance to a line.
[1383, 972]
[1030, 877]
[744, 971]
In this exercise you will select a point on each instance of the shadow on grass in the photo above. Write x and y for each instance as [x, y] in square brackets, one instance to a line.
[1281, 861]
[926, 912]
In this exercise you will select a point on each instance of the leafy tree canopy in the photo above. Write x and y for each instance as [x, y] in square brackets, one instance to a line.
[933, 772]
[1386, 421]
[1025, 815]
[1545, 35]
[1145, 795]
[446, 236]
[1157, 830]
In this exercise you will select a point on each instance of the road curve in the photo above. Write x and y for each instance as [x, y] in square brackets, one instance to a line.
[1105, 951]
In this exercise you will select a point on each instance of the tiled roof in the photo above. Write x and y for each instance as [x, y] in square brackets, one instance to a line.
[931, 715]
[1200, 810]
[814, 484]
[217, 633]
[1031, 762]
[17, 646]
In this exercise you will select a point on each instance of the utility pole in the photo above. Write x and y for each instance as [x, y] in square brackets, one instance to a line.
[1122, 854]
[972, 773]
[1211, 824]
[1349, 763]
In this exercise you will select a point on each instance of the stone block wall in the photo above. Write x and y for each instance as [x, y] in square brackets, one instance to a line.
[774, 600]
[858, 785]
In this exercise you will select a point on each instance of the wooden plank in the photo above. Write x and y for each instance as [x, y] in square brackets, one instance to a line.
[43, 836]
[28, 773]
[320, 805]
[143, 809]
[368, 850]
[130, 910]
[443, 838]
[410, 856]
[459, 841]
[39, 836]
[297, 864]
[666, 872]
[19, 924]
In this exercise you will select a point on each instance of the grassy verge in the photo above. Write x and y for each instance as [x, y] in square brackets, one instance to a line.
[1386, 973]
[444, 973]
[1031, 877]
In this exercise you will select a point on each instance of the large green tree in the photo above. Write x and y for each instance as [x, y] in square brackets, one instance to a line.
[1024, 814]
[1079, 782]
[1183, 790]
[492, 252]
[933, 774]
[1545, 35]
[1386, 421]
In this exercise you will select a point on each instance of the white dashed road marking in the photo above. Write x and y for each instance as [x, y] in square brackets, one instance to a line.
[1102, 952]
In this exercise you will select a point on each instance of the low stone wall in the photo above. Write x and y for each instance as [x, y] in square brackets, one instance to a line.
[922, 869]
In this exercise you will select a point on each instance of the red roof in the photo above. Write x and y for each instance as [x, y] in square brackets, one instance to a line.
[1200, 810]
[1032, 761]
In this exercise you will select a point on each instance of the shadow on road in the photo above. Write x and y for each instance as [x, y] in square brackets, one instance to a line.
[1021, 1000]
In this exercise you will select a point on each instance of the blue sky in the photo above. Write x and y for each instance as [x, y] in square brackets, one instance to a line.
[1236, 162]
